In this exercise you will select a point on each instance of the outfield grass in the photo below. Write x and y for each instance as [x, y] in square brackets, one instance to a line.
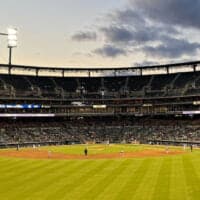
[158, 178]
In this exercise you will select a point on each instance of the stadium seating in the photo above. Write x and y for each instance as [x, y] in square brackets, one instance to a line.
[116, 96]
[157, 85]
[98, 130]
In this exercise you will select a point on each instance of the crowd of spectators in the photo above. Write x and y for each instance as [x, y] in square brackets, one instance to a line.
[100, 130]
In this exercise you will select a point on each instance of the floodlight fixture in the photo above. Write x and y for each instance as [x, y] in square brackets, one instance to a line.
[12, 41]
[12, 31]
[12, 37]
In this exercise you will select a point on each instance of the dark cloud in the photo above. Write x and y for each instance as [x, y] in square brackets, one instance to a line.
[146, 63]
[127, 17]
[183, 13]
[130, 27]
[84, 36]
[109, 51]
[117, 34]
[126, 35]
[172, 48]
[151, 27]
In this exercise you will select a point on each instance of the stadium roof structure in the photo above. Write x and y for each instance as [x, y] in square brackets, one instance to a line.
[100, 71]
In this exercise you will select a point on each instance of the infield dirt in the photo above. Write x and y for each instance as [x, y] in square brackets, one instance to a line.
[44, 154]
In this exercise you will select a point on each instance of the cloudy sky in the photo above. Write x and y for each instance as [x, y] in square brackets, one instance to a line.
[94, 33]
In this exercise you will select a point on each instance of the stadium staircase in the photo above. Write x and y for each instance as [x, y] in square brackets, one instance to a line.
[168, 89]
[171, 85]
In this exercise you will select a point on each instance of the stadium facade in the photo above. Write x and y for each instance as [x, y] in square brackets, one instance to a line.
[32, 97]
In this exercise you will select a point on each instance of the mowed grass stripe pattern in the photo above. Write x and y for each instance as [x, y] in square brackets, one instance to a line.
[161, 178]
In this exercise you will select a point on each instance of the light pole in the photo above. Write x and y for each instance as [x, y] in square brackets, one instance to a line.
[10, 56]
[12, 42]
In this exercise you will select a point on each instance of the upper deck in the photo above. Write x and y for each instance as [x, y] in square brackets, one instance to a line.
[99, 72]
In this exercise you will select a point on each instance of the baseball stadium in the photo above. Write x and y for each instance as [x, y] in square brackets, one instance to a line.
[100, 133]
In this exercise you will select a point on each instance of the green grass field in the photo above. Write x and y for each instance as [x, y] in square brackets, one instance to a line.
[155, 178]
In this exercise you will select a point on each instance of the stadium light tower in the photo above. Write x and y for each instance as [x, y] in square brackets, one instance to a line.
[12, 42]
